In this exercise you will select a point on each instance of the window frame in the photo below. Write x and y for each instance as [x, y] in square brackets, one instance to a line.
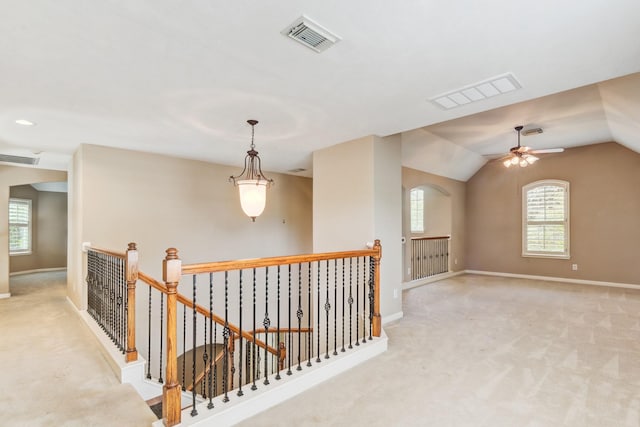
[412, 209]
[28, 225]
[566, 254]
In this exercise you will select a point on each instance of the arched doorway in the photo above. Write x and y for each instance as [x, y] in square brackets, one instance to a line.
[427, 225]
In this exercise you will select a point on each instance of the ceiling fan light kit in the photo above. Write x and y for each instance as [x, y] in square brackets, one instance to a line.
[520, 155]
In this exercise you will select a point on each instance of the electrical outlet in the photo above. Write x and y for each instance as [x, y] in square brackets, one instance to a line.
[395, 293]
[574, 267]
[409, 270]
[455, 261]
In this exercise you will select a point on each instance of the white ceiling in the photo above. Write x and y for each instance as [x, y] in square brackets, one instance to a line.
[182, 78]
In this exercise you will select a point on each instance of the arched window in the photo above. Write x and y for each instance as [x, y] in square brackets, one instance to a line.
[545, 219]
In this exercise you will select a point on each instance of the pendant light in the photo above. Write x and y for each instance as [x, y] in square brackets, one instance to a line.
[252, 184]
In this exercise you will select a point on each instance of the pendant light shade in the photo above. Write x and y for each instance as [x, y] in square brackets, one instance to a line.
[252, 184]
[253, 196]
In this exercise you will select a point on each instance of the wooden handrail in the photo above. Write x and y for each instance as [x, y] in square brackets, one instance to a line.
[212, 267]
[220, 321]
[152, 282]
[206, 370]
[203, 311]
[431, 238]
[284, 330]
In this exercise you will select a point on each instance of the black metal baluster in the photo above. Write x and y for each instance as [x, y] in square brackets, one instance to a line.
[184, 346]
[364, 300]
[212, 347]
[299, 315]
[160, 380]
[327, 308]
[350, 301]
[253, 353]
[215, 360]
[123, 310]
[289, 346]
[278, 324]
[371, 278]
[149, 339]
[112, 299]
[105, 293]
[343, 285]
[125, 303]
[266, 323]
[205, 360]
[357, 301]
[194, 411]
[318, 312]
[309, 316]
[226, 333]
[335, 311]
[240, 393]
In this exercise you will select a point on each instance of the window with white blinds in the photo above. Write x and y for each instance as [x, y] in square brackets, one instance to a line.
[417, 210]
[545, 222]
[19, 226]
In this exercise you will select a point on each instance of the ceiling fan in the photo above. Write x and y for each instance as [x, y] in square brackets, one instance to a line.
[523, 155]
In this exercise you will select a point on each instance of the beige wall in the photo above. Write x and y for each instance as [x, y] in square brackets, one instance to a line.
[160, 202]
[49, 230]
[604, 212]
[12, 176]
[356, 199]
[457, 193]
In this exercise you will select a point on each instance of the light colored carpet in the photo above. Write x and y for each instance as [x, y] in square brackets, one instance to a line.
[52, 370]
[487, 351]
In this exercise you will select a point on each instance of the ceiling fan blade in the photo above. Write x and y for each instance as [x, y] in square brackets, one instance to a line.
[495, 156]
[547, 150]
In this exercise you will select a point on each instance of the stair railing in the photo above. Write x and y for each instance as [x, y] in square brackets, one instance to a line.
[325, 303]
[111, 294]
[282, 312]
[429, 256]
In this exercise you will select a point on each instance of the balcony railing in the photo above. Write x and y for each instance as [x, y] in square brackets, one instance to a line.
[224, 329]
[429, 256]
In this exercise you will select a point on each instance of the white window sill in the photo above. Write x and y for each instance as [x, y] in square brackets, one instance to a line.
[549, 255]
[20, 253]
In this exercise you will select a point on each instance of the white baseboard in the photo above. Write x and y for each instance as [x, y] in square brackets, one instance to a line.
[7, 295]
[392, 317]
[556, 279]
[37, 270]
[424, 281]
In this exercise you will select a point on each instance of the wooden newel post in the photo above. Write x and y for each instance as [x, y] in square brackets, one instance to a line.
[171, 403]
[377, 320]
[131, 269]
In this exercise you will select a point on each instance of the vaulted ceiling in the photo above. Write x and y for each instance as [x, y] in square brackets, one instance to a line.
[182, 78]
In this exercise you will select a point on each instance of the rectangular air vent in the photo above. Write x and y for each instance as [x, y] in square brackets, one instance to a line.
[7, 158]
[498, 85]
[305, 31]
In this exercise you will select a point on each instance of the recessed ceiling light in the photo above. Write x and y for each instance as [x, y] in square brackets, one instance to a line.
[25, 122]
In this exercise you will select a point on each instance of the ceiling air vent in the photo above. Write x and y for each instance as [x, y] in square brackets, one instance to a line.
[305, 31]
[480, 91]
[7, 158]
